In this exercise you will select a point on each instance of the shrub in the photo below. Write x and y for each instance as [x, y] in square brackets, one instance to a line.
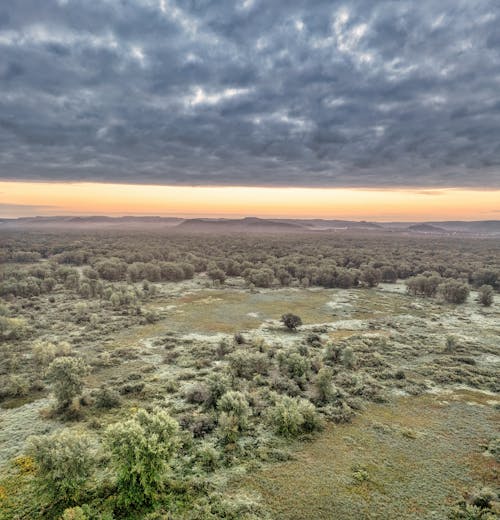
[141, 449]
[486, 295]
[451, 344]
[291, 417]
[370, 277]
[64, 463]
[454, 291]
[233, 417]
[324, 385]
[423, 285]
[66, 377]
[216, 274]
[291, 321]
[197, 393]
[44, 352]
[348, 357]
[107, 398]
[246, 364]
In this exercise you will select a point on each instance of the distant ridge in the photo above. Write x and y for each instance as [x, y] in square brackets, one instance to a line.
[426, 228]
[248, 224]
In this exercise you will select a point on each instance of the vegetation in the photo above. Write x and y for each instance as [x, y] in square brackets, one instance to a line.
[152, 371]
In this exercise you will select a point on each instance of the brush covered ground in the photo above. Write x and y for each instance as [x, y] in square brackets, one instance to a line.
[382, 404]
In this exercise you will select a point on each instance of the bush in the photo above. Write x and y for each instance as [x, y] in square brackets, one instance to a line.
[291, 321]
[66, 377]
[324, 385]
[107, 398]
[141, 449]
[291, 417]
[233, 417]
[197, 393]
[64, 463]
[370, 277]
[486, 295]
[453, 291]
[43, 352]
[246, 364]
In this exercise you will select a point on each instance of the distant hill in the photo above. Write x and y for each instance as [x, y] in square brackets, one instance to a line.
[245, 224]
[426, 228]
[249, 224]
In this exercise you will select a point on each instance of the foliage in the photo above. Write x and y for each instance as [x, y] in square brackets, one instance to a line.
[291, 417]
[291, 321]
[141, 449]
[66, 377]
[486, 295]
[64, 463]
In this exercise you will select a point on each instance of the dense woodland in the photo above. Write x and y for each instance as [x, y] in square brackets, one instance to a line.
[126, 443]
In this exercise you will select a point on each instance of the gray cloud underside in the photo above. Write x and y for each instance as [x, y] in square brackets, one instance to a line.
[323, 93]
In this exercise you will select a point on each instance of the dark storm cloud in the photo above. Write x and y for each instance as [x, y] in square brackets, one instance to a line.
[359, 93]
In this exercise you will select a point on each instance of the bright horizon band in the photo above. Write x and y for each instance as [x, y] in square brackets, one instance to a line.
[57, 198]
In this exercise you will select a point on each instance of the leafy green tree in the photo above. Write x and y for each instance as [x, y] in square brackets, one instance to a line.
[65, 375]
[141, 449]
[64, 463]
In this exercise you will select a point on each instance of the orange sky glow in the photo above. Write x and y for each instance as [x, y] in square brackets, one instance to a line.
[52, 198]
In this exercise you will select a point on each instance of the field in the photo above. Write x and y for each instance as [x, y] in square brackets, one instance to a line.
[382, 403]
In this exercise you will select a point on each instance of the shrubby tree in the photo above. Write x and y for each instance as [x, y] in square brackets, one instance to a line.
[64, 463]
[216, 274]
[291, 321]
[65, 375]
[141, 449]
[423, 285]
[370, 276]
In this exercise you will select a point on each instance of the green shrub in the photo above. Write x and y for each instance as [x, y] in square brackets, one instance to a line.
[291, 417]
[141, 449]
[64, 463]
[106, 398]
[291, 321]
[66, 377]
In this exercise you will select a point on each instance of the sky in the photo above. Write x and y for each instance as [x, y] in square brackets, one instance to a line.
[357, 109]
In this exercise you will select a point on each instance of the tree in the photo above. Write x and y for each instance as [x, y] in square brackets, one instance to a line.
[291, 321]
[370, 277]
[486, 295]
[141, 449]
[216, 274]
[64, 463]
[66, 377]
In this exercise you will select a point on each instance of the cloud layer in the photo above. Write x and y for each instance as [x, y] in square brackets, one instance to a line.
[268, 93]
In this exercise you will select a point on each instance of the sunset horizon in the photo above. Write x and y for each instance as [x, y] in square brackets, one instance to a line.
[29, 199]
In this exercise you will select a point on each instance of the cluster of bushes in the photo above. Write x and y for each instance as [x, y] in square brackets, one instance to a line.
[329, 261]
[451, 291]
